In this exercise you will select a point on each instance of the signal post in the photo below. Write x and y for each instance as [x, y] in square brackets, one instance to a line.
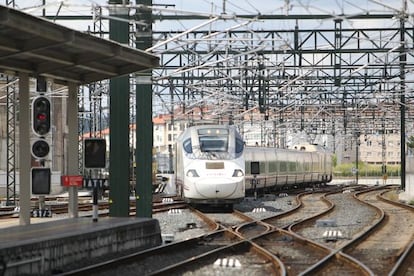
[40, 148]
[24, 143]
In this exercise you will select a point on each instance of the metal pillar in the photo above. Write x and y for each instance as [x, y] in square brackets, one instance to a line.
[24, 149]
[144, 141]
[403, 61]
[119, 122]
[11, 142]
[72, 146]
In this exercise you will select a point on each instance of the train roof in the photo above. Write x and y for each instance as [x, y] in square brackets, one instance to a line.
[187, 131]
[308, 147]
[299, 147]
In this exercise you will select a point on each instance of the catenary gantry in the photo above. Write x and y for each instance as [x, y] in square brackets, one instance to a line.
[336, 77]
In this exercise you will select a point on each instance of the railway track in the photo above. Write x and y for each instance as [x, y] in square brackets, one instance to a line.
[58, 207]
[382, 245]
[335, 226]
[310, 205]
[296, 253]
[287, 241]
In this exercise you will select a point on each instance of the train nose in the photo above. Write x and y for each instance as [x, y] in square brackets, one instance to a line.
[216, 188]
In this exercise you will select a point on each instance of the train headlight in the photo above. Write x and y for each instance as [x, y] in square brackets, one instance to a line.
[238, 173]
[192, 173]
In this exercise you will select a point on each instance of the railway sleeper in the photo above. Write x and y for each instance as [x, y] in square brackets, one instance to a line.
[332, 235]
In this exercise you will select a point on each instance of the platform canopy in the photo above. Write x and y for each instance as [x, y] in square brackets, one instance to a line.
[42, 48]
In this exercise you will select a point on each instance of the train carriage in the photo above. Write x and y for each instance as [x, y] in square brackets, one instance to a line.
[278, 168]
[210, 165]
[214, 167]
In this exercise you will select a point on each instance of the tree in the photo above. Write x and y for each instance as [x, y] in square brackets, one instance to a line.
[410, 145]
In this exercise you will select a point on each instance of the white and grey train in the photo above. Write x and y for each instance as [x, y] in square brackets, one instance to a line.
[214, 167]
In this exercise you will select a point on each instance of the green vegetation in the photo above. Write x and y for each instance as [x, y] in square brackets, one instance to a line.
[410, 145]
[365, 170]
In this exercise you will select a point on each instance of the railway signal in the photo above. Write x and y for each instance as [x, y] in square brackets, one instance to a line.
[40, 182]
[41, 116]
[95, 153]
[41, 122]
[40, 149]
[95, 158]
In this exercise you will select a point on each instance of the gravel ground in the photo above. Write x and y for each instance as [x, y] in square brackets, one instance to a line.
[267, 206]
[181, 224]
[349, 217]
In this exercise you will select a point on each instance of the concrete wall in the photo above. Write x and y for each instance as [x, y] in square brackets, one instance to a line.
[54, 250]
[408, 195]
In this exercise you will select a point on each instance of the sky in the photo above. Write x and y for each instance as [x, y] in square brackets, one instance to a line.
[231, 8]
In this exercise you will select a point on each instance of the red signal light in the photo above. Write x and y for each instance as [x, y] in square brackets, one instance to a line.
[41, 116]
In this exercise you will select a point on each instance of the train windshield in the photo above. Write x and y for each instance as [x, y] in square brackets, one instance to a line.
[213, 139]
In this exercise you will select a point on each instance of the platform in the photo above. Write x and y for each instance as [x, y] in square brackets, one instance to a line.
[44, 248]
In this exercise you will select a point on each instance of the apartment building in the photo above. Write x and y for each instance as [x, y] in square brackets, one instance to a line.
[378, 148]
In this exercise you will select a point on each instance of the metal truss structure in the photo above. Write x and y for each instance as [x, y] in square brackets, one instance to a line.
[342, 75]
[338, 79]
[12, 107]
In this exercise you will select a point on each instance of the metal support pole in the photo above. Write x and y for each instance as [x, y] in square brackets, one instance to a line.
[72, 146]
[403, 61]
[119, 121]
[95, 206]
[24, 146]
[254, 180]
[144, 142]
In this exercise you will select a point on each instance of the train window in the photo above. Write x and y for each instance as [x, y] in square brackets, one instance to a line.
[188, 146]
[292, 166]
[255, 167]
[217, 144]
[283, 166]
[272, 166]
[263, 167]
[239, 145]
[213, 140]
[247, 166]
[299, 166]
